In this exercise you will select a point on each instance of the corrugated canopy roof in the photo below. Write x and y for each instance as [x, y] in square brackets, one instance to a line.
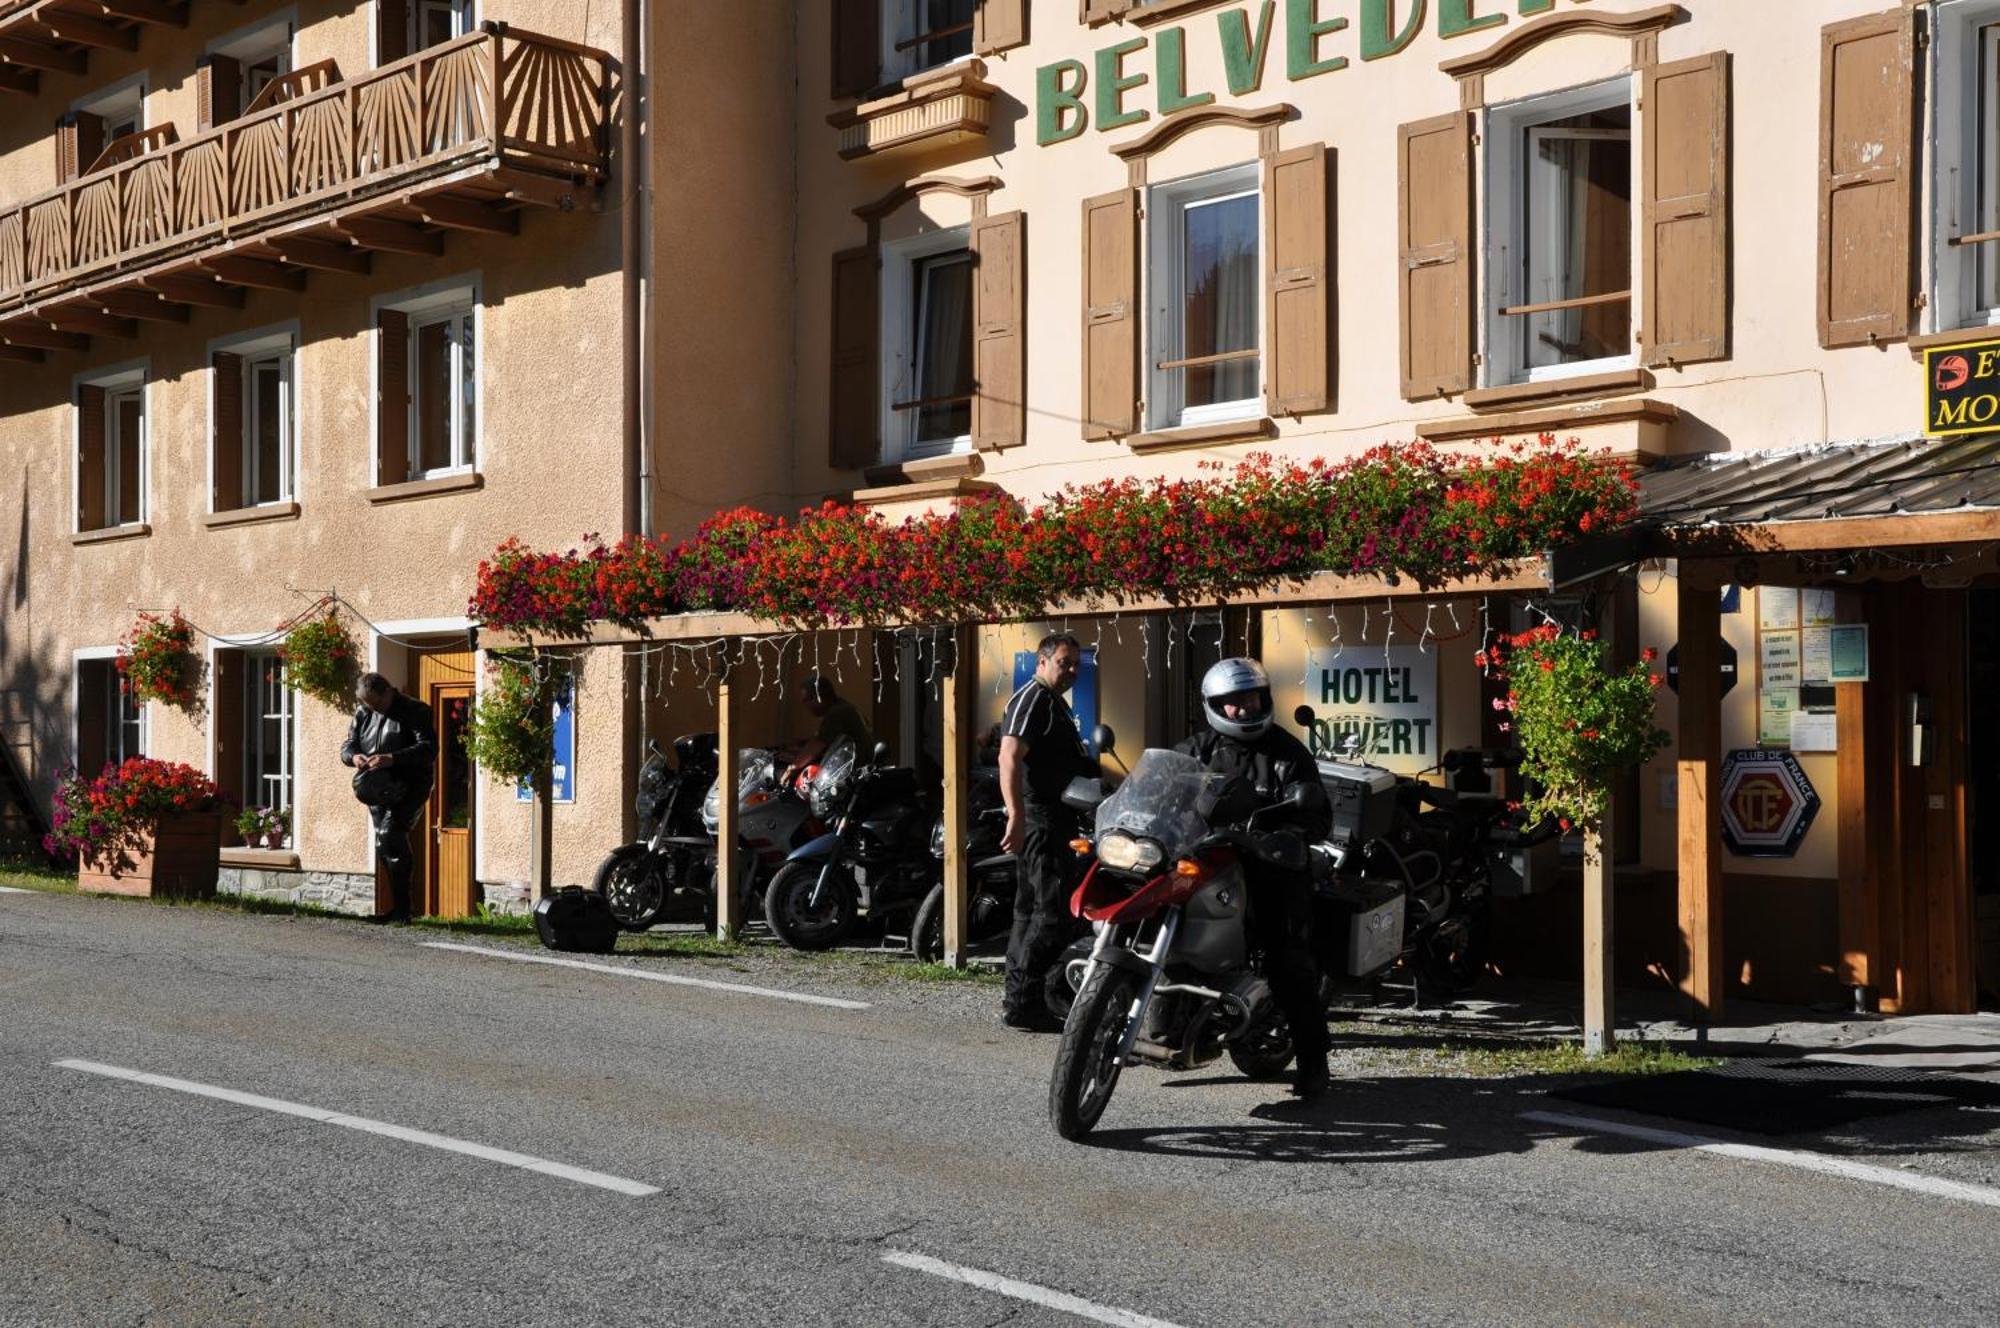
[1893, 478]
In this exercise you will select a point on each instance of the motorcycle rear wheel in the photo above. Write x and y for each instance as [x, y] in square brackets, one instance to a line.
[989, 920]
[795, 920]
[1088, 1061]
[633, 884]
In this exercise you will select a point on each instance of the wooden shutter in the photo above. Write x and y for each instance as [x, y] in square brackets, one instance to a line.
[226, 441]
[79, 142]
[1867, 184]
[90, 458]
[392, 30]
[853, 414]
[857, 46]
[1000, 331]
[94, 681]
[1298, 268]
[392, 398]
[999, 24]
[1684, 272]
[1434, 161]
[1111, 314]
[1103, 11]
[226, 711]
[218, 91]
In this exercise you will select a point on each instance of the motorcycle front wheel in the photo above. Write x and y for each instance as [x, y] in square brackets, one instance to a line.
[795, 919]
[634, 884]
[1088, 1061]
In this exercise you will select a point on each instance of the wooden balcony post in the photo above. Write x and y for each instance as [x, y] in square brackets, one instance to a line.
[1599, 1003]
[959, 686]
[1700, 765]
[728, 849]
[497, 35]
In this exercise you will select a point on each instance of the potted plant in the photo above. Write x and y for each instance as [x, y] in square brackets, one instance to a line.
[319, 660]
[277, 826]
[250, 825]
[148, 828]
[156, 660]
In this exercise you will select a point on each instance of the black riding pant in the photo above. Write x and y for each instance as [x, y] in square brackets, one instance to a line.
[392, 846]
[1281, 921]
[1042, 925]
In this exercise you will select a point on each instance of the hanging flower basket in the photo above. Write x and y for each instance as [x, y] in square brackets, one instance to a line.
[156, 660]
[148, 828]
[512, 726]
[319, 659]
[1579, 721]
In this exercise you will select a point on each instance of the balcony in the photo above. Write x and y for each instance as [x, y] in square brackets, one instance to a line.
[59, 35]
[927, 112]
[320, 174]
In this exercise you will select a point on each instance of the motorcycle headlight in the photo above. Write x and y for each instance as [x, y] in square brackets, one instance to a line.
[1127, 853]
[819, 800]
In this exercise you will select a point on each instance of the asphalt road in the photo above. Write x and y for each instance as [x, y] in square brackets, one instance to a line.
[796, 1148]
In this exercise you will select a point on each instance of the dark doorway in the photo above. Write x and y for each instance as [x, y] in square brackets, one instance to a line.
[1983, 786]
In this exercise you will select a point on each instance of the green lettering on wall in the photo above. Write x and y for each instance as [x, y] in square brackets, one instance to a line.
[1379, 36]
[1242, 54]
[1113, 83]
[1303, 29]
[1170, 58]
[1455, 18]
[1059, 109]
[1536, 6]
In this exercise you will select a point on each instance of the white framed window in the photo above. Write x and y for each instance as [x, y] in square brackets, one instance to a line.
[256, 438]
[1965, 229]
[259, 54]
[927, 332]
[435, 22]
[120, 108]
[1205, 293]
[444, 387]
[1559, 228]
[923, 34]
[270, 713]
[112, 449]
[110, 725]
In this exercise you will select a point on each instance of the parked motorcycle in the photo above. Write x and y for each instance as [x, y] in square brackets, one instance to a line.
[667, 874]
[1169, 980]
[991, 879]
[772, 819]
[874, 862]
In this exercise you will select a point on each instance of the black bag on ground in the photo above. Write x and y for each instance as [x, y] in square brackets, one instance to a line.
[577, 920]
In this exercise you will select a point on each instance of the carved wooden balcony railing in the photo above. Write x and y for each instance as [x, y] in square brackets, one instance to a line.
[457, 136]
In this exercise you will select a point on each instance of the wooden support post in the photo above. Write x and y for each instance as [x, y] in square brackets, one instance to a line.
[1599, 1012]
[541, 821]
[1860, 790]
[1700, 838]
[959, 686]
[728, 849]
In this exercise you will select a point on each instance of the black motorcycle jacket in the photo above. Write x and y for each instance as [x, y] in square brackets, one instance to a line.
[1260, 773]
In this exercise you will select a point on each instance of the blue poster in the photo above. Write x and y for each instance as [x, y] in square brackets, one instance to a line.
[1082, 697]
[562, 772]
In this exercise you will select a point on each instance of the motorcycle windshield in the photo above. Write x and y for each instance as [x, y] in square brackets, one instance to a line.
[1159, 801]
[835, 769]
[754, 775]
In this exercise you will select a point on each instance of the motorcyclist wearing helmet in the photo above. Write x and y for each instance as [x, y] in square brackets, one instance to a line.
[1263, 765]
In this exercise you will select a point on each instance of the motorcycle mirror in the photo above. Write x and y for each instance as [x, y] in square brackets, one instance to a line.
[881, 753]
[1103, 739]
[1304, 717]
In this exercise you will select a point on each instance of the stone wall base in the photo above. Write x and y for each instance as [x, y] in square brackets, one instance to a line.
[341, 892]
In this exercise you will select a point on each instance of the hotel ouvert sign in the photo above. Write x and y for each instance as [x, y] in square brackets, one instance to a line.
[1110, 91]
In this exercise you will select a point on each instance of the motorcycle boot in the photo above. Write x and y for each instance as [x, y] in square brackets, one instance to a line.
[1311, 1080]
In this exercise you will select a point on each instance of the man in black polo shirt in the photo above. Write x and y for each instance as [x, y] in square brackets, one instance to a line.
[1040, 753]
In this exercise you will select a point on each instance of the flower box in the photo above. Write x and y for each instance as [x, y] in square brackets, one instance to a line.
[177, 859]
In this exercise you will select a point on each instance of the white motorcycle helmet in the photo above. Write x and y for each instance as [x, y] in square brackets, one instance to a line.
[1229, 678]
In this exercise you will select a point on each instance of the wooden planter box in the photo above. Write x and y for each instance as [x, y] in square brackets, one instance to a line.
[177, 861]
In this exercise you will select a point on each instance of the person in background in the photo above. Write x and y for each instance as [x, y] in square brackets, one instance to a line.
[1040, 753]
[837, 719]
[395, 733]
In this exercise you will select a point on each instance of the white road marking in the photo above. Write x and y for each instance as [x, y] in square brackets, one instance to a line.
[10, 890]
[616, 971]
[366, 1126]
[1028, 1291]
[1867, 1172]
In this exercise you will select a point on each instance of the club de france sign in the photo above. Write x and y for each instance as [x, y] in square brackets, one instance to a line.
[1071, 94]
[1768, 804]
[1385, 697]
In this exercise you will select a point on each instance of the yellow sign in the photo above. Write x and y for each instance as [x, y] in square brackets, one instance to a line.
[1961, 389]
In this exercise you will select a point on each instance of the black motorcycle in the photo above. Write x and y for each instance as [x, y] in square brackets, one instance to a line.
[991, 878]
[667, 874]
[875, 862]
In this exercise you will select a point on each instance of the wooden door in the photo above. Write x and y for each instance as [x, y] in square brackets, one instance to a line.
[448, 886]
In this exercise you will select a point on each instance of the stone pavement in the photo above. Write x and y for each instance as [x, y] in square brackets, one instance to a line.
[1965, 1045]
